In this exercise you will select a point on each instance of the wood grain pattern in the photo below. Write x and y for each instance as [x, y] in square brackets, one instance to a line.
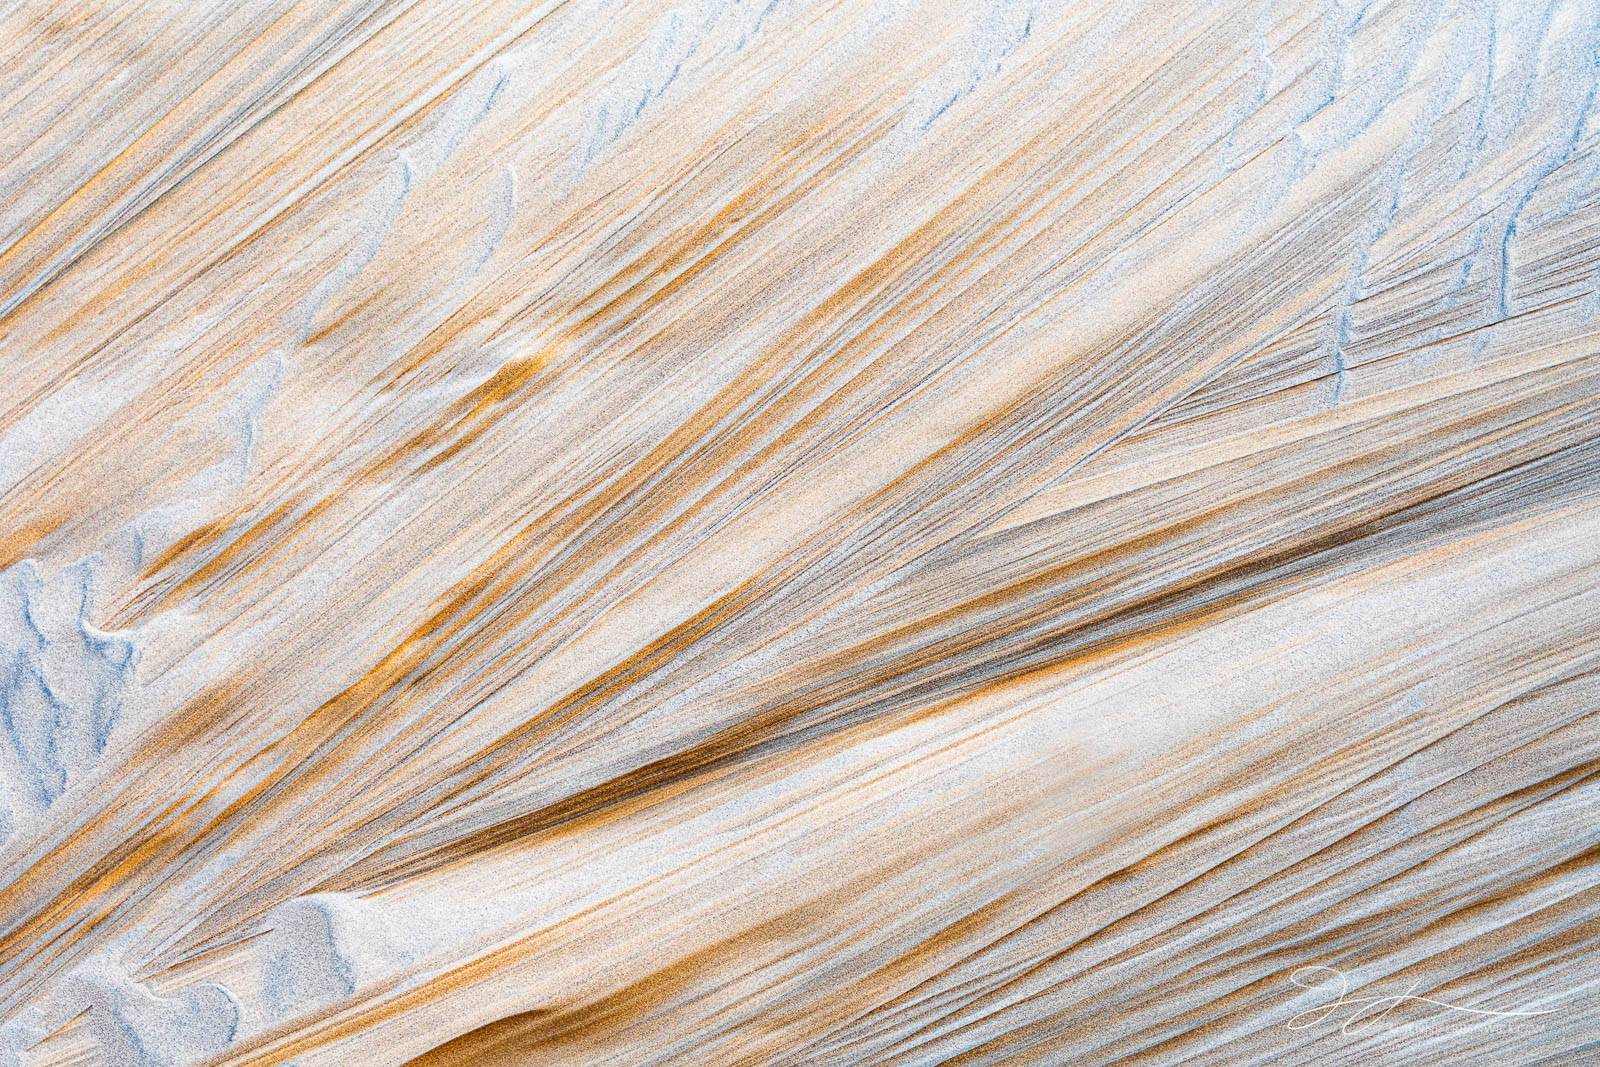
[799, 532]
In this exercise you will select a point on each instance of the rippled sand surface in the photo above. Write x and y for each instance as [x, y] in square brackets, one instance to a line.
[799, 532]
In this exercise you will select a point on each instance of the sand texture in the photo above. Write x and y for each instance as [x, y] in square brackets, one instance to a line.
[812, 533]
